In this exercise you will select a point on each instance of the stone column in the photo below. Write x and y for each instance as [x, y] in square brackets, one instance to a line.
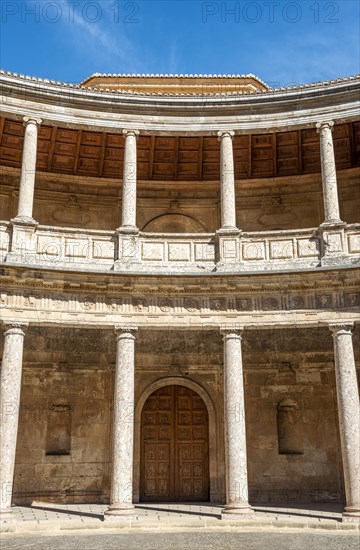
[328, 173]
[237, 500]
[349, 416]
[227, 182]
[28, 169]
[121, 497]
[128, 222]
[10, 405]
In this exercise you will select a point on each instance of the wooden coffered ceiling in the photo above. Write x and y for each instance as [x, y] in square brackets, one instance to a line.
[84, 153]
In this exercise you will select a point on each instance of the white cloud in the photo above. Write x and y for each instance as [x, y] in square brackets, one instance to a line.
[101, 40]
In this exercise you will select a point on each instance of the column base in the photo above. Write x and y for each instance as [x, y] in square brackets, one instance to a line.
[228, 231]
[7, 517]
[351, 515]
[237, 512]
[332, 224]
[118, 513]
[128, 230]
[24, 220]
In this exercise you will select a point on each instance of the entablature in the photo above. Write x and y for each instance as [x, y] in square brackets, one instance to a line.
[263, 300]
[161, 115]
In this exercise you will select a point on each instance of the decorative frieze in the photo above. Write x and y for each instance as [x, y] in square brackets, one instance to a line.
[192, 304]
[352, 299]
[178, 304]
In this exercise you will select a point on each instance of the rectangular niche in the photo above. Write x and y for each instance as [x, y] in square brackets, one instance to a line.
[289, 427]
[58, 430]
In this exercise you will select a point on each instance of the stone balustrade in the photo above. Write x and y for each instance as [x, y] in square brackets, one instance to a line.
[169, 249]
[94, 250]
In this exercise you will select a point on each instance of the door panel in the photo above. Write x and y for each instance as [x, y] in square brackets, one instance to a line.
[175, 446]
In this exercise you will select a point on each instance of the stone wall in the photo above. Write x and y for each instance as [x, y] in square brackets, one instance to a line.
[293, 367]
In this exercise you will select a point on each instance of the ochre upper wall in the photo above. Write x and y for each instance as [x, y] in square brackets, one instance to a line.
[177, 84]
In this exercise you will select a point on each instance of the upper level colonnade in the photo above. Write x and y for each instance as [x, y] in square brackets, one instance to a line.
[331, 243]
[225, 117]
[227, 177]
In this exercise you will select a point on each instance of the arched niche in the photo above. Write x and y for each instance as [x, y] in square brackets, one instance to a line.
[174, 223]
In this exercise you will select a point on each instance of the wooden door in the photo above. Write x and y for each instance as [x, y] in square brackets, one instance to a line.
[174, 447]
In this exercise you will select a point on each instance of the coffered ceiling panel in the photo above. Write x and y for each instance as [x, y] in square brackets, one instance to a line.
[172, 158]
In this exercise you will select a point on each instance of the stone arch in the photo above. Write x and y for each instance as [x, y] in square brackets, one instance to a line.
[213, 440]
[174, 222]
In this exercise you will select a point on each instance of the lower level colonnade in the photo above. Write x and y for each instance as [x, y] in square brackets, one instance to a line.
[237, 466]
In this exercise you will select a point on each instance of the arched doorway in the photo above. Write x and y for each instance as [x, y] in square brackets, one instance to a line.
[174, 447]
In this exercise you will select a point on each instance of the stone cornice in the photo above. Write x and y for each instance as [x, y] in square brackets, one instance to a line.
[29, 278]
[185, 76]
[148, 302]
[95, 110]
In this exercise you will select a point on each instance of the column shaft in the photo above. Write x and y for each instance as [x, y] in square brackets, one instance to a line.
[11, 370]
[237, 501]
[128, 223]
[328, 173]
[28, 170]
[349, 416]
[121, 503]
[227, 181]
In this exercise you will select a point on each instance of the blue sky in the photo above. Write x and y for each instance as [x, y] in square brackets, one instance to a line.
[281, 41]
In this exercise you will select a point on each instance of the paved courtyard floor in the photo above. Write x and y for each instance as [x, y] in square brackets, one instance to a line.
[45, 526]
[161, 514]
[249, 540]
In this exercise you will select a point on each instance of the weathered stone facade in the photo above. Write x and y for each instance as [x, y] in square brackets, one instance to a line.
[180, 293]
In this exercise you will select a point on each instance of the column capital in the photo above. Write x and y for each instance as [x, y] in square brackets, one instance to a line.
[126, 331]
[339, 329]
[324, 124]
[223, 133]
[13, 327]
[31, 120]
[134, 133]
[232, 332]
